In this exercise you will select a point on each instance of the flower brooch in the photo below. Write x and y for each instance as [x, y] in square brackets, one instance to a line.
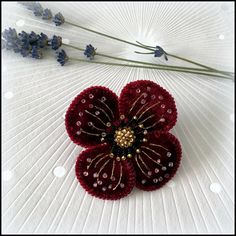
[127, 138]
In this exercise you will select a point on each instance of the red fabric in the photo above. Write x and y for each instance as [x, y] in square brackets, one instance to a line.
[95, 115]
[91, 182]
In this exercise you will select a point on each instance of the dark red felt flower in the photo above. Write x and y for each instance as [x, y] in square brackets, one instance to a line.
[127, 138]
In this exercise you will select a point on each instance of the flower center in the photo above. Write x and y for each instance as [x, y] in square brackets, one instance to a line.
[124, 137]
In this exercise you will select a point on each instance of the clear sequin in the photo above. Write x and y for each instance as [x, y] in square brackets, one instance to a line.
[110, 186]
[103, 134]
[143, 181]
[90, 123]
[122, 185]
[171, 164]
[169, 111]
[149, 173]
[104, 175]
[99, 182]
[78, 123]
[95, 175]
[85, 173]
[155, 180]
[162, 120]
[113, 178]
[80, 113]
[160, 97]
[153, 97]
[138, 90]
[166, 175]
[97, 113]
[159, 161]
[168, 154]
[156, 170]
[160, 178]
[83, 100]
[145, 95]
[95, 185]
[163, 105]
[103, 99]
[78, 132]
[143, 101]
[91, 96]
[90, 105]
[104, 189]
[163, 168]
[108, 124]
[89, 159]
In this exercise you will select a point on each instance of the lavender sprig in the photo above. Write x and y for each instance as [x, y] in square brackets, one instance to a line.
[45, 14]
[62, 57]
[29, 44]
[157, 51]
[32, 44]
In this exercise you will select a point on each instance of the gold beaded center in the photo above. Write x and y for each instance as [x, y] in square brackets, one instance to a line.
[124, 137]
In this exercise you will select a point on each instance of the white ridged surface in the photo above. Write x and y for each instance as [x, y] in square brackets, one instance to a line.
[36, 94]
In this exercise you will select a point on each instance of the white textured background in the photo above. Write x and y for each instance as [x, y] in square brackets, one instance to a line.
[36, 94]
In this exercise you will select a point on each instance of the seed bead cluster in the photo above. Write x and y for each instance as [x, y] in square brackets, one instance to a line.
[124, 137]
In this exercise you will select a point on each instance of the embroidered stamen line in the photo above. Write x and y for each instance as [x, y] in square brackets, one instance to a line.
[107, 108]
[148, 109]
[95, 158]
[97, 128]
[119, 178]
[156, 145]
[140, 109]
[140, 167]
[141, 122]
[151, 150]
[151, 126]
[100, 160]
[95, 117]
[99, 108]
[103, 168]
[151, 159]
[135, 103]
[141, 159]
[83, 131]
[113, 167]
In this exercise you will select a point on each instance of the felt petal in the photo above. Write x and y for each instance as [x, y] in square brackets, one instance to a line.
[153, 106]
[157, 162]
[90, 115]
[102, 175]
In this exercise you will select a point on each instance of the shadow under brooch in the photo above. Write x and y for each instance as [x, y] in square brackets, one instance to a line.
[127, 138]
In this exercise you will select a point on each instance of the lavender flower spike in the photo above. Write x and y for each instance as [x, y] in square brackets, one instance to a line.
[33, 6]
[47, 14]
[58, 19]
[159, 52]
[55, 42]
[62, 58]
[90, 51]
[29, 44]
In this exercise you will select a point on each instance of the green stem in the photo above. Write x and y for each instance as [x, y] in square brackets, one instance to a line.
[198, 64]
[187, 60]
[105, 35]
[143, 52]
[145, 45]
[146, 67]
[139, 62]
[147, 48]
